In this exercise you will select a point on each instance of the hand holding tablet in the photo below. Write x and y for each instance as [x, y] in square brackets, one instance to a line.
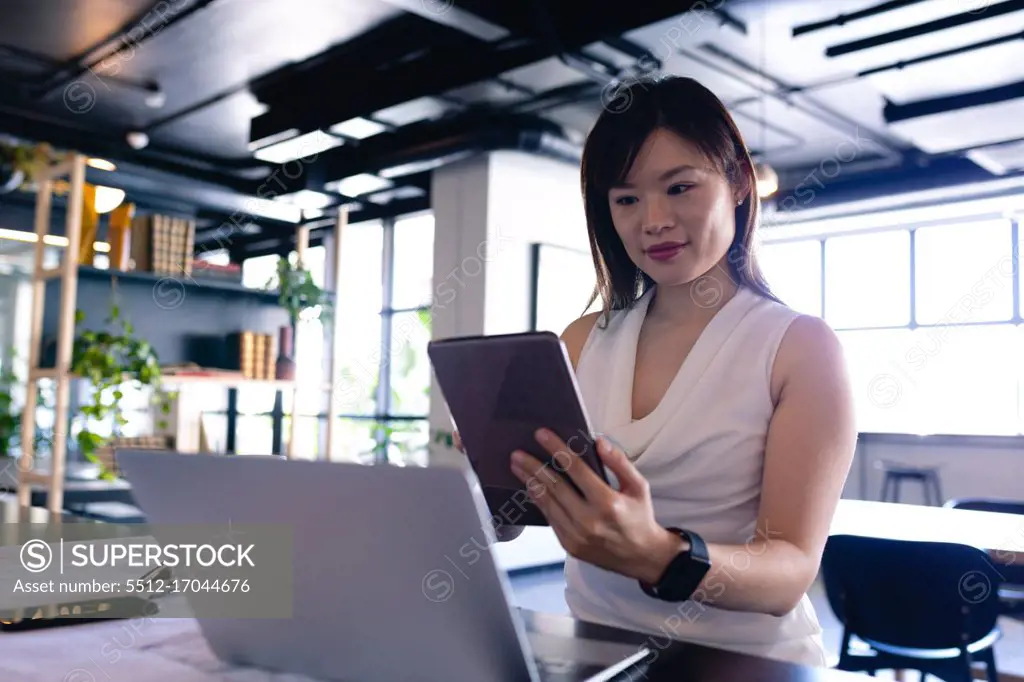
[500, 390]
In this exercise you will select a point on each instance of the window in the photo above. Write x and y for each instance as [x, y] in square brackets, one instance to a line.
[259, 271]
[867, 280]
[964, 273]
[939, 357]
[793, 271]
[384, 293]
[414, 262]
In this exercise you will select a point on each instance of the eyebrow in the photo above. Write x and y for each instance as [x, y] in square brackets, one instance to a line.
[664, 176]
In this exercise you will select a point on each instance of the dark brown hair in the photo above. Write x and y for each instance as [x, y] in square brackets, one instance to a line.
[690, 110]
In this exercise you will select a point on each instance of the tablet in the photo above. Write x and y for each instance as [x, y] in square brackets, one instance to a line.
[500, 389]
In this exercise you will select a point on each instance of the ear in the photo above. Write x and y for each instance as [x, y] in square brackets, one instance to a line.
[742, 187]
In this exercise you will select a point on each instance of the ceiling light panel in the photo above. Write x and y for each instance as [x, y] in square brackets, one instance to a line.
[301, 147]
[412, 111]
[358, 128]
[356, 185]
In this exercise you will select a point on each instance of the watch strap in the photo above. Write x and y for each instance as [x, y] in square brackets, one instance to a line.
[697, 556]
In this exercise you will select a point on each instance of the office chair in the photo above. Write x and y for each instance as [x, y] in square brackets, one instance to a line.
[1011, 594]
[926, 606]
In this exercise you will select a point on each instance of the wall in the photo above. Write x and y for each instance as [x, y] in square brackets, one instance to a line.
[967, 467]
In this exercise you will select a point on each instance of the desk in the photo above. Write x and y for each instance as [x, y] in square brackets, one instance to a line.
[1001, 535]
[164, 649]
[172, 650]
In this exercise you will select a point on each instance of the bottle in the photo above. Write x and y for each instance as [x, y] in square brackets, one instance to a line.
[285, 368]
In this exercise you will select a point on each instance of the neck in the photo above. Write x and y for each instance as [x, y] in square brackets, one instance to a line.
[695, 301]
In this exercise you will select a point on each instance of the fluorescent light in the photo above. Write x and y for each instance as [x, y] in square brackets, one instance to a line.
[108, 198]
[49, 240]
[300, 147]
[353, 186]
[306, 199]
[273, 139]
[421, 166]
[358, 128]
[101, 164]
[404, 192]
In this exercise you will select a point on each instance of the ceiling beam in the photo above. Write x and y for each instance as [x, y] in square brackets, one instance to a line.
[283, 240]
[443, 67]
[65, 134]
[940, 105]
[942, 24]
[425, 142]
[447, 13]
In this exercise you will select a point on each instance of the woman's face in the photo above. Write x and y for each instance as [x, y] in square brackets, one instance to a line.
[674, 214]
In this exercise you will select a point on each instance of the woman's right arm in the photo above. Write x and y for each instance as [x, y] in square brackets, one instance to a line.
[574, 337]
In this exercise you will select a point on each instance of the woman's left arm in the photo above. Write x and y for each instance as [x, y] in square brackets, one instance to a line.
[809, 450]
[808, 454]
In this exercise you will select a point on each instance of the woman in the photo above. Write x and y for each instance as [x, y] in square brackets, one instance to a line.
[726, 418]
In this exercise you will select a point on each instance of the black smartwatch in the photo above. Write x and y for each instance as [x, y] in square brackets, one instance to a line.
[684, 572]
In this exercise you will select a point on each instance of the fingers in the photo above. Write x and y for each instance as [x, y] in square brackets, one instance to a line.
[568, 461]
[546, 497]
[542, 482]
[631, 481]
[457, 441]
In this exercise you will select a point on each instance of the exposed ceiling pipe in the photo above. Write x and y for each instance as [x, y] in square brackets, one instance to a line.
[805, 104]
[904, 63]
[843, 19]
[942, 24]
[940, 105]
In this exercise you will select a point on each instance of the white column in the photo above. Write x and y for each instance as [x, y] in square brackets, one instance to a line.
[488, 211]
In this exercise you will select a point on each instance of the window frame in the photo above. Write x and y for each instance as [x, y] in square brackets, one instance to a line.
[1015, 320]
[382, 414]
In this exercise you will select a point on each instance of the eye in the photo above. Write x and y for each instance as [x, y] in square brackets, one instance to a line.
[678, 188]
[625, 200]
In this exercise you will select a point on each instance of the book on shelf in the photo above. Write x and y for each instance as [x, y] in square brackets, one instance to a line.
[163, 244]
[259, 356]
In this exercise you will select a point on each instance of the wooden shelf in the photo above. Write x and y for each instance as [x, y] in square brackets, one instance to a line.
[189, 379]
[176, 379]
[189, 283]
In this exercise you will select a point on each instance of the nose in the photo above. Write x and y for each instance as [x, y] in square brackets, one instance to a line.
[657, 215]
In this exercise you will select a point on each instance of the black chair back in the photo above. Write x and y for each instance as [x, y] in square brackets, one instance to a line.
[924, 595]
[987, 505]
[1011, 571]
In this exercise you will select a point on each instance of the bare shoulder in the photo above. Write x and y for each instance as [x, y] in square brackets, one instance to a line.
[575, 335]
[810, 352]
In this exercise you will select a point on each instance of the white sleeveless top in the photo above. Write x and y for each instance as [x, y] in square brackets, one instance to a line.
[702, 451]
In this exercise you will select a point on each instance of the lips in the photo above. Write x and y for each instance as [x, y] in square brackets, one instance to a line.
[665, 250]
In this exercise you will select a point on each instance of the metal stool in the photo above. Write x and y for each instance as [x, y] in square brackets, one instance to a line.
[896, 474]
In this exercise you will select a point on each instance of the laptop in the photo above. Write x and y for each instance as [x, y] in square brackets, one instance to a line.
[392, 573]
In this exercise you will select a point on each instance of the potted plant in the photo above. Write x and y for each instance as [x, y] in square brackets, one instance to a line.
[20, 164]
[109, 360]
[304, 299]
